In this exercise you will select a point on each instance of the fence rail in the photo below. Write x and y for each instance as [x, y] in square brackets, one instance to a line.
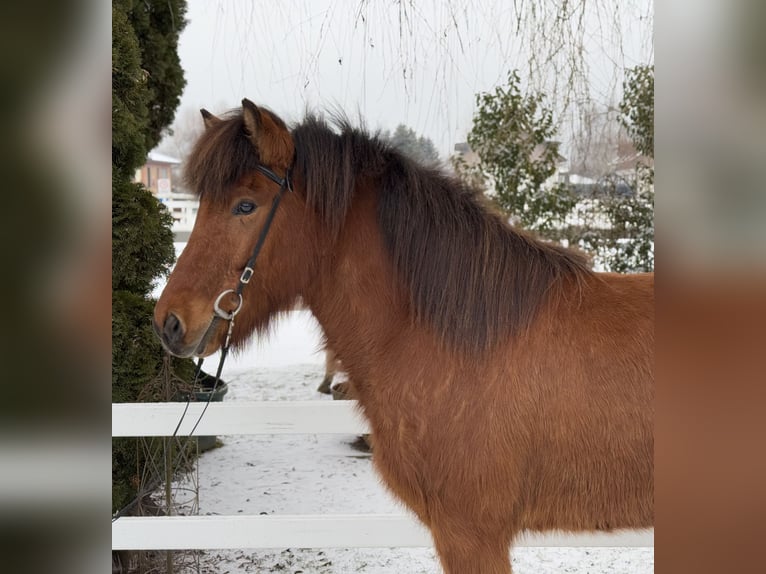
[268, 417]
[304, 531]
[300, 531]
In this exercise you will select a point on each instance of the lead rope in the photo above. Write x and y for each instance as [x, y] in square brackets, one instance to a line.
[285, 183]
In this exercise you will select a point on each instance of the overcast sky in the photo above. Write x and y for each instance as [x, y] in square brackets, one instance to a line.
[417, 63]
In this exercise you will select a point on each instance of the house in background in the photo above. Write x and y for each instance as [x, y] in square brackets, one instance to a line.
[157, 175]
[628, 159]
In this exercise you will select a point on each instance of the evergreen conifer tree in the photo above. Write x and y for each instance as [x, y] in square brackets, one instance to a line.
[147, 81]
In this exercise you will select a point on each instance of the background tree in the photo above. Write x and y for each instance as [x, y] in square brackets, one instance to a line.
[613, 220]
[628, 245]
[573, 52]
[147, 81]
[512, 135]
[637, 108]
[591, 151]
[420, 148]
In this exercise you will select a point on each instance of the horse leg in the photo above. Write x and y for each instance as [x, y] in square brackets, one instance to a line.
[329, 372]
[324, 386]
[463, 553]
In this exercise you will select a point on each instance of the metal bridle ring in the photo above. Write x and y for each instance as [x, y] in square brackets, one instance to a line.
[228, 316]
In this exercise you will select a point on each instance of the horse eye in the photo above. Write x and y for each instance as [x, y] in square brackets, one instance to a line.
[244, 207]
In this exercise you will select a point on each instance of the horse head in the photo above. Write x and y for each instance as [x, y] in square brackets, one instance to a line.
[240, 168]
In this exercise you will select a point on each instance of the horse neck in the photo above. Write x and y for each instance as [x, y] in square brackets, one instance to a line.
[356, 299]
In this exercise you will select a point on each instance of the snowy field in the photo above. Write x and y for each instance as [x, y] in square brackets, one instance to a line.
[325, 474]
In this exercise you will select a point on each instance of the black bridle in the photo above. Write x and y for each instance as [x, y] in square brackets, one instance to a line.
[285, 184]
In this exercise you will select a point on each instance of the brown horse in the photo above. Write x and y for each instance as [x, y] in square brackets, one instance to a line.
[507, 386]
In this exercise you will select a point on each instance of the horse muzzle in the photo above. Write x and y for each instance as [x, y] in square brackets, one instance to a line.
[173, 335]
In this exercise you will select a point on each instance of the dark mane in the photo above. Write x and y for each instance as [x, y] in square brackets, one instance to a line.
[469, 273]
[221, 156]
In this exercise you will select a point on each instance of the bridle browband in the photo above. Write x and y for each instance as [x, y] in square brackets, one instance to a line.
[285, 184]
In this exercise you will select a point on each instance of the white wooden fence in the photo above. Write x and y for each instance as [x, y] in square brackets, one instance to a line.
[183, 208]
[301, 531]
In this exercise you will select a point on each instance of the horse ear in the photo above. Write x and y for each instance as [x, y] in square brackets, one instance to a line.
[252, 116]
[209, 119]
[268, 134]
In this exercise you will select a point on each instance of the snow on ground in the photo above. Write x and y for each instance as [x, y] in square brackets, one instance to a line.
[324, 474]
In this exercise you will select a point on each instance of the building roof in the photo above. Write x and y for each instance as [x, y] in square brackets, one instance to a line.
[162, 158]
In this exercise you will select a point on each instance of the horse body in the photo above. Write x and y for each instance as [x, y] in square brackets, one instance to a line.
[507, 387]
[536, 441]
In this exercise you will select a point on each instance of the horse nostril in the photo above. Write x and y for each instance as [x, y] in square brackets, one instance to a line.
[172, 331]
